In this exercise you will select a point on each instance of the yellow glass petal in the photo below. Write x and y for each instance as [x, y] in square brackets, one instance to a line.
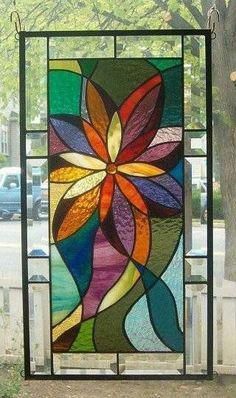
[68, 174]
[56, 193]
[67, 324]
[140, 169]
[84, 161]
[85, 184]
[124, 284]
[69, 65]
[114, 137]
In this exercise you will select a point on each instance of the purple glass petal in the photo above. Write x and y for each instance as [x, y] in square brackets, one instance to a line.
[123, 219]
[155, 192]
[72, 135]
[167, 134]
[56, 145]
[108, 266]
[157, 152]
[141, 116]
[169, 183]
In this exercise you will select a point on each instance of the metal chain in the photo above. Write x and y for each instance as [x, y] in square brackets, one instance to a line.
[213, 16]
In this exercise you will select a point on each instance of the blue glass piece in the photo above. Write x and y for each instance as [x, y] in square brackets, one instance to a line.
[139, 328]
[37, 252]
[155, 192]
[162, 309]
[173, 277]
[177, 172]
[73, 136]
[77, 252]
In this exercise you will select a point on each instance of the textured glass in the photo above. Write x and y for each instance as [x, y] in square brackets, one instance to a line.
[38, 270]
[84, 47]
[37, 207]
[36, 144]
[196, 206]
[195, 143]
[116, 188]
[148, 46]
[196, 329]
[39, 317]
[151, 364]
[85, 364]
[116, 199]
[194, 82]
[36, 83]
[195, 269]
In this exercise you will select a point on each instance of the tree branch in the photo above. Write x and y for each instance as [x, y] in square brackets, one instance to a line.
[195, 13]
[177, 21]
[96, 12]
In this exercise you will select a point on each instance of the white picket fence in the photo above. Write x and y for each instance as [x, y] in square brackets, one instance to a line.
[11, 340]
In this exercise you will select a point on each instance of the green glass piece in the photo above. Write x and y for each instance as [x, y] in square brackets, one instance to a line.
[165, 63]
[87, 66]
[84, 339]
[64, 92]
[112, 77]
[165, 237]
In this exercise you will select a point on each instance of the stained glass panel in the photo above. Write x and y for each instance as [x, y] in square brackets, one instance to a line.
[117, 251]
[118, 164]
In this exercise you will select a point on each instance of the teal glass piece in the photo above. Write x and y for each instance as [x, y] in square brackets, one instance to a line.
[173, 83]
[62, 281]
[64, 93]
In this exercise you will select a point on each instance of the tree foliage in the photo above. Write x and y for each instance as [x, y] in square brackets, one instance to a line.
[77, 15]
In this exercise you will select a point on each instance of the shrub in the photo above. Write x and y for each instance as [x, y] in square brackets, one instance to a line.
[217, 205]
[10, 380]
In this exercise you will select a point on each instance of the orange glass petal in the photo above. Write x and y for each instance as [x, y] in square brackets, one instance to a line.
[96, 141]
[79, 213]
[97, 110]
[68, 174]
[142, 238]
[131, 193]
[106, 196]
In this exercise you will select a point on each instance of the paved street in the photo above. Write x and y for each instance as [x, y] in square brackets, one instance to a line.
[10, 246]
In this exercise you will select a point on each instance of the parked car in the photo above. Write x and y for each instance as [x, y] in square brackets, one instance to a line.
[10, 195]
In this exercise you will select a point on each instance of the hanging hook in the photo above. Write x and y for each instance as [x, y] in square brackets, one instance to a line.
[15, 17]
[213, 12]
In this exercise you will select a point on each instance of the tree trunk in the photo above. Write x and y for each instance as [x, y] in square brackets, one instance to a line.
[225, 136]
[227, 167]
[224, 107]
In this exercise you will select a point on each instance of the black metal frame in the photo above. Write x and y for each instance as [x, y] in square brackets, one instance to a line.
[207, 34]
